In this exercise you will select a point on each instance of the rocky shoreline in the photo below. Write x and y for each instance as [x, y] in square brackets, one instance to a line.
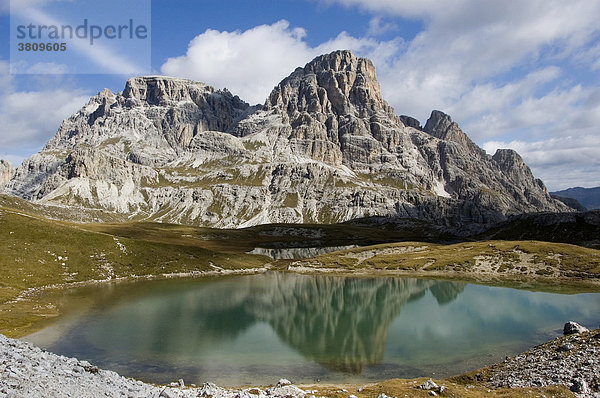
[28, 371]
[572, 360]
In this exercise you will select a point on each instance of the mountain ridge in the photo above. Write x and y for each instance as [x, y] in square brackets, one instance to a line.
[325, 147]
[588, 197]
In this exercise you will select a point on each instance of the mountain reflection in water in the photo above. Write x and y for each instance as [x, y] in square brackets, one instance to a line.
[254, 329]
[340, 323]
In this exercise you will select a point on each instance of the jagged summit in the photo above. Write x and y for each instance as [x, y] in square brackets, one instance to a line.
[337, 83]
[158, 116]
[163, 90]
[441, 126]
[324, 148]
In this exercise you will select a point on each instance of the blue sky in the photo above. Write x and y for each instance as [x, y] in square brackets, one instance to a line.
[523, 74]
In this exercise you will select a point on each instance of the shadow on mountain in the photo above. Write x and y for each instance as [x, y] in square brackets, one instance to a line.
[575, 228]
[581, 229]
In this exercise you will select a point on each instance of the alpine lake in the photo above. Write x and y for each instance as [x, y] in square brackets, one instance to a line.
[255, 329]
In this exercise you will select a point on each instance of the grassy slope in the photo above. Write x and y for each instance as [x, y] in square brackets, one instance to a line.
[38, 252]
[506, 261]
[454, 388]
[242, 240]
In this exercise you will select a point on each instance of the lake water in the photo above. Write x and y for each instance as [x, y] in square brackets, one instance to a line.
[256, 329]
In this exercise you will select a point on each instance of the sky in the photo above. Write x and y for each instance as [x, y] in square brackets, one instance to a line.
[520, 74]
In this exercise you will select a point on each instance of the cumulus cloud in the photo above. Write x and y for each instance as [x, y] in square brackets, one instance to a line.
[377, 27]
[470, 60]
[29, 118]
[561, 139]
[244, 62]
[561, 162]
[466, 42]
[250, 63]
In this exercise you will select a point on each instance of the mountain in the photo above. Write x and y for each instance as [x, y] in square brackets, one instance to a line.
[324, 148]
[6, 172]
[588, 197]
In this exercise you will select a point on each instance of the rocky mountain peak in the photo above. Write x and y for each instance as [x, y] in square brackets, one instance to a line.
[163, 90]
[6, 171]
[324, 148]
[509, 161]
[175, 111]
[438, 124]
[337, 83]
[513, 166]
[441, 126]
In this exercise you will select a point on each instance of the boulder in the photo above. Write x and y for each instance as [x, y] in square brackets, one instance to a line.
[429, 385]
[574, 328]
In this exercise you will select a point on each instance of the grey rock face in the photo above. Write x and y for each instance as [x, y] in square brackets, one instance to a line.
[325, 148]
[441, 126]
[6, 171]
[429, 385]
[574, 328]
[411, 122]
[572, 203]
[580, 386]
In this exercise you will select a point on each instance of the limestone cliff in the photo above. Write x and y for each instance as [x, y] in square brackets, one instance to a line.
[325, 148]
[6, 172]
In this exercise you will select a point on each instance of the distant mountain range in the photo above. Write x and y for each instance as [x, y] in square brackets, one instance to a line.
[324, 148]
[587, 197]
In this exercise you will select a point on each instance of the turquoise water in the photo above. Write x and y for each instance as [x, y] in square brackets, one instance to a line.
[257, 329]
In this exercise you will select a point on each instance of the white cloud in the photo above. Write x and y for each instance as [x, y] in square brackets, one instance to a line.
[493, 66]
[563, 111]
[40, 68]
[561, 162]
[378, 27]
[466, 42]
[7, 6]
[247, 63]
[252, 62]
[29, 118]
[106, 59]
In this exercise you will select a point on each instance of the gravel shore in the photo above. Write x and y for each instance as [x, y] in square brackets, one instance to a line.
[572, 360]
[28, 371]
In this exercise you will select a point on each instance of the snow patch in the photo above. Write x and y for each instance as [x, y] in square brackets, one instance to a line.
[439, 190]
